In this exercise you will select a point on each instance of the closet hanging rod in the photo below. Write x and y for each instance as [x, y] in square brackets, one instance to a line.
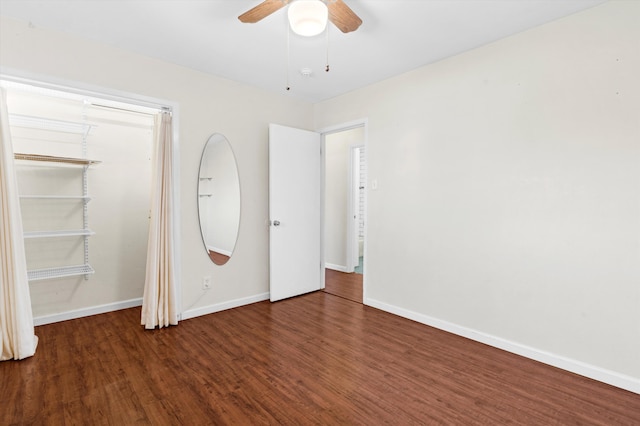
[128, 110]
[121, 109]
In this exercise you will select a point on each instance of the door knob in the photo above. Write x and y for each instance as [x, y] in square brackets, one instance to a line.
[276, 223]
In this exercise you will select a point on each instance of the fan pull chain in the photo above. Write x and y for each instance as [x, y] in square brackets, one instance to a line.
[288, 54]
[327, 68]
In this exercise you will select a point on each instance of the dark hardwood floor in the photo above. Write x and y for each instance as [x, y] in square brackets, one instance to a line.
[314, 359]
[348, 286]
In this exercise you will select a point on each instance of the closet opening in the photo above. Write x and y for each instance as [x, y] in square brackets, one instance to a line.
[83, 165]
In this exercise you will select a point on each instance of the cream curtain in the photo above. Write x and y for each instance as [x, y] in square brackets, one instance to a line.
[17, 338]
[159, 303]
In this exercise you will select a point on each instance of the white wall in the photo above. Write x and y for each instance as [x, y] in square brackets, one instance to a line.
[207, 104]
[337, 194]
[508, 201]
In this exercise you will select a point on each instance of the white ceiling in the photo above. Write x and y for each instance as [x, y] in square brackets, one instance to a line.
[396, 36]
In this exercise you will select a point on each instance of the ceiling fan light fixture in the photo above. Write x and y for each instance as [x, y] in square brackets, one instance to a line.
[308, 17]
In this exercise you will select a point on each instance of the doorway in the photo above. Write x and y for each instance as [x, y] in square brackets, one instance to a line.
[344, 211]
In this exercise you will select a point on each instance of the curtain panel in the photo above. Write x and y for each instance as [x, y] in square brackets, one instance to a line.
[17, 338]
[159, 302]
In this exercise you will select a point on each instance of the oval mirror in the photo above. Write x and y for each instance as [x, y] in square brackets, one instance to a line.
[218, 199]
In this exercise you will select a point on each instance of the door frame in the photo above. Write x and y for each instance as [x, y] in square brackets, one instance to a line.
[364, 123]
[352, 259]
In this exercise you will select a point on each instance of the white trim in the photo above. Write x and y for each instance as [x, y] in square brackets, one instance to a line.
[353, 253]
[87, 312]
[613, 378]
[205, 310]
[323, 203]
[177, 210]
[362, 122]
[349, 259]
[335, 267]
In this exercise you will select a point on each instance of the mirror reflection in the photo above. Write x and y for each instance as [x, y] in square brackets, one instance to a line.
[218, 199]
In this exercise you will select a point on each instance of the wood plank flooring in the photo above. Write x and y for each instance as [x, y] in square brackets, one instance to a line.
[348, 286]
[316, 359]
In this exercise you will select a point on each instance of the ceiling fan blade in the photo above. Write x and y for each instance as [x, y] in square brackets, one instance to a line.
[342, 16]
[264, 9]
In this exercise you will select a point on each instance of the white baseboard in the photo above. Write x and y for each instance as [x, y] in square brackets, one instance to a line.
[86, 312]
[205, 310]
[109, 307]
[600, 374]
[335, 267]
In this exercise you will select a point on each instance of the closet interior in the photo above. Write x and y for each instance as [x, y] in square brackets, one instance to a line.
[83, 169]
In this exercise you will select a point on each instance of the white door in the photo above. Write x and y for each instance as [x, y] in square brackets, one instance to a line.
[294, 212]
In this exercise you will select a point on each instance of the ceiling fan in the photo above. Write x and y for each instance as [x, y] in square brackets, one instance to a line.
[339, 13]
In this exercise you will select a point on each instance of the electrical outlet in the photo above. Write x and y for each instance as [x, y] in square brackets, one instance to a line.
[206, 282]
